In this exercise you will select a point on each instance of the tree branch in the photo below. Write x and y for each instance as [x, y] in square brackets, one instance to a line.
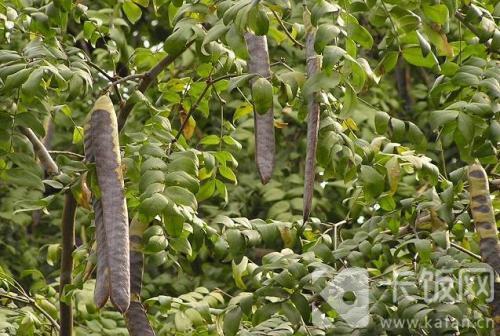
[282, 25]
[46, 160]
[146, 81]
[68, 244]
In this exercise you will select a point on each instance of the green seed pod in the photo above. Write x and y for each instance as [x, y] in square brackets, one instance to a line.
[262, 94]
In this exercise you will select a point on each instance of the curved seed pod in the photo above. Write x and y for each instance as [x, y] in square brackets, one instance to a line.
[137, 321]
[313, 62]
[102, 291]
[264, 123]
[484, 221]
[102, 147]
[135, 317]
[484, 218]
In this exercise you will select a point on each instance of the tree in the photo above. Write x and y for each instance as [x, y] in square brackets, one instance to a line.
[218, 167]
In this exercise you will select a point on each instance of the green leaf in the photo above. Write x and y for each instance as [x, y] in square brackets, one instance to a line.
[132, 11]
[32, 84]
[413, 55]
[239, 271]
[424, 249]
[321, 9]
[332, 55]
[210, 140]
[360, 35]
[320, 81]
[424, 45]
[229, 140]
[77, 135]
[466, 126]
[442, 117]
[53, 254]
[325, 34]
[154, 205]
[239, 81]
[258, 21]
[381, 122]
[206, 191]
[17, 79]
[213, 34]
[373, 181]
[436, 13]
[387, 63]
[232, 320]
[227, 173]
[181, 196]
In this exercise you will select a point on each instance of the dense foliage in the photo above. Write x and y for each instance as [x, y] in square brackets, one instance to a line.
[408, 94]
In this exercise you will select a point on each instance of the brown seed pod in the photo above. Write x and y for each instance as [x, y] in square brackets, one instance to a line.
[484, 221]
[135, 317]
[483, 215]
[101, 292]
[258, 63]
[102, 147]
[313, 62]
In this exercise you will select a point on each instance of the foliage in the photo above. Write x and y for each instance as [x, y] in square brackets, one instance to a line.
[409, 94]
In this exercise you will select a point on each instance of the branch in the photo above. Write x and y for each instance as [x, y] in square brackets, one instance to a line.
[473, 29]
[146, 81]
[464, 250]
[32, 302]
[68, 244]
[282, 25]
[114, 83]
[43, 154]
[191, 110]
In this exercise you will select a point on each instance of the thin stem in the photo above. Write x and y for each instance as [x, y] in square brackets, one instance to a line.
[57, 152]
[282, 25]
[464, 250]
[396, 35]
[32, 302]
[191, 110]
[124, 79]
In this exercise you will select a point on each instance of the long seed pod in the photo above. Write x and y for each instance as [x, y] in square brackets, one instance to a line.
[313, 62]
[484, 221]
[258, 63]
[135, 317]
[102, 147]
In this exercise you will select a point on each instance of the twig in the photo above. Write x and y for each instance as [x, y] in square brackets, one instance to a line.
[464, 250]
[146, 81]
[191, 110]
[68, 245]
[57, 152]
[474, 30]
[46, 160]
[282, 25]
[32, 302]
[123, 79]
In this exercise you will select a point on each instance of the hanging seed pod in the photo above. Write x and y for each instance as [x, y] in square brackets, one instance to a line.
[484, 221]
[313, 62]
[102, 147]
[483, 215]
[258, 63]
[135, 317]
